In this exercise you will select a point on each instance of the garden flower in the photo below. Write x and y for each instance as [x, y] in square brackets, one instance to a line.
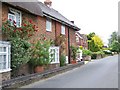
[30, 21]
[14, 31]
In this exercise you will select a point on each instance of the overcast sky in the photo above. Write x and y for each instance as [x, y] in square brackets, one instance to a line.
[99, 16]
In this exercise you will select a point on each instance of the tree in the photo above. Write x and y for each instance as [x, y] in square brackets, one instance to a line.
[95, 44]
[115, 46]
[90, 36]
[114, 37]
[114, 42]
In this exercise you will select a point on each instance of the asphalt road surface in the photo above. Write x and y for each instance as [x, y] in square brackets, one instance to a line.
[102, 73]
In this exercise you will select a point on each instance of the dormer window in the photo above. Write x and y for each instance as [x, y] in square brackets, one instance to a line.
[14, 15]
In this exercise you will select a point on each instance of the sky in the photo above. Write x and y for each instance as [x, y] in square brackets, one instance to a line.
[99, 16]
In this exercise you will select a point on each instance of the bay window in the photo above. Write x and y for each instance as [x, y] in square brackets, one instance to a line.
[4, 57]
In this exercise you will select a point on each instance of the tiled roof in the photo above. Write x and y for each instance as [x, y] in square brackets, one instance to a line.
[38, 8]
[55, 14]
[32, 7]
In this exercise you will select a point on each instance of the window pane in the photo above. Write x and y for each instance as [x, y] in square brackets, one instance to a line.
[2, 49]
[12, 17]
[4, 65]
[62, 29]
[1, 58]
[18, 19]
[16, 16]
[48, 25]
[0, 66]
[2, 61]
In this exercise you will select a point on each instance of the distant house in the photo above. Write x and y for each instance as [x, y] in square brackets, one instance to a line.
[81, 40]
[49, 21]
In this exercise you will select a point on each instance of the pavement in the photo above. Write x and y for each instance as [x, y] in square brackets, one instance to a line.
[102, 73]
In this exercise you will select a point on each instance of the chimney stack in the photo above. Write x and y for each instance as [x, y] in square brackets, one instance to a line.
[48, 3]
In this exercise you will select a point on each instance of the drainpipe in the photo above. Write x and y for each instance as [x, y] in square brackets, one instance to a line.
[68, 45]
[55, 31]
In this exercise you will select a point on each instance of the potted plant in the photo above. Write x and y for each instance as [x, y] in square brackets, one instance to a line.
[40, 55]
[73, 54]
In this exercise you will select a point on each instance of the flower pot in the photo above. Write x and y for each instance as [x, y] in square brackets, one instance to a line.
[73, 62]
[39, 69]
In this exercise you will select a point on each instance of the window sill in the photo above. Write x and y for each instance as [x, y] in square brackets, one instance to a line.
[62, 33]
[5, 70]
[48, 30]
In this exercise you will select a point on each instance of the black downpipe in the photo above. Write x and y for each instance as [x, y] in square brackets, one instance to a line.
[68, 45]
[55, 31]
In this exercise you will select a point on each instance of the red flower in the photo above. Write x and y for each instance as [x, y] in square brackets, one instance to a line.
[14, 31]
[44, 38]
[35, 30]
[20, 29]
[30, 21]
[25, 25]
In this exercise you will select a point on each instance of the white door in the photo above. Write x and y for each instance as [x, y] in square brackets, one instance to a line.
[54, 54]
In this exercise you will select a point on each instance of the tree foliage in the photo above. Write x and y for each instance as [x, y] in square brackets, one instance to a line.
[90, 36]
[114, 42]
[115, 46]
[114, 37]
[95, 43]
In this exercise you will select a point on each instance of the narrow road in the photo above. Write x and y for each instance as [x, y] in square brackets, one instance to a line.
[102, 73]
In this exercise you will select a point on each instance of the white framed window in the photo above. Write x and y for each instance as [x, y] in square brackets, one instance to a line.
[77, 39]
[63, 29]
[4, 57]
[48, 24]
[54, 54]
[15, 15]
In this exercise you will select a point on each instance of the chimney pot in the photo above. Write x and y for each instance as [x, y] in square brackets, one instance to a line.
[48, 3]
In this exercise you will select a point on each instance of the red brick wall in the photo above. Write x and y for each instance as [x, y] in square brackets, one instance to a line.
[4, 16]
[41, 23]
[72, 38]
[83, 43]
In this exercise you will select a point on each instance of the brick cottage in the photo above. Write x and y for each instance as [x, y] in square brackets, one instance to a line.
[81, 40]
[49, 21]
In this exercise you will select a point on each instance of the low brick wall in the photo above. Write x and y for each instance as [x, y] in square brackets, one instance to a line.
[86, 58]
[26, 69]
[25, 80]
[5, 75]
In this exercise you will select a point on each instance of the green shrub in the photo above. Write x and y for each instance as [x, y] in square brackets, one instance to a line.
[86, 52]
[62, 60]
[74, 50]
[18, 37]
[40, 53]
[94, 54]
